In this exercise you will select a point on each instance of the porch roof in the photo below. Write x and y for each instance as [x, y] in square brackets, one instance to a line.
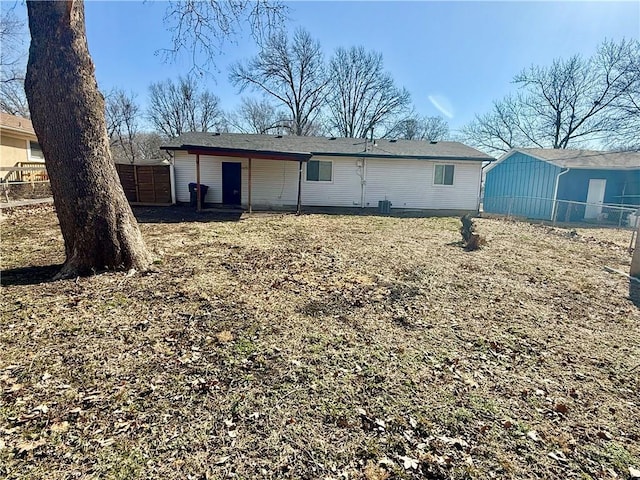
[246, 153]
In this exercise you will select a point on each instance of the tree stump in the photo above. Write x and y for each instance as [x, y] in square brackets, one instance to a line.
[471, 239]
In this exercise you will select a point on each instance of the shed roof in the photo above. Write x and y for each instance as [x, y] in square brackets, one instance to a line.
[331, 146]
[583, 159]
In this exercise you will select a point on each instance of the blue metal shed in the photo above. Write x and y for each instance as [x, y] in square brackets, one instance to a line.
[542, 183]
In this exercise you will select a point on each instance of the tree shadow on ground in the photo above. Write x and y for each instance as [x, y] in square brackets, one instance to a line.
[182, 213]
[29, 275]
[634, 292]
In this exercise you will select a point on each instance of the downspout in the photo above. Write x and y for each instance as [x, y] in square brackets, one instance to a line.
[555, 194]
[172, 177]
[363, 183]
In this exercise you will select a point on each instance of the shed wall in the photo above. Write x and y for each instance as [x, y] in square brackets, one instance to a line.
[521, 185]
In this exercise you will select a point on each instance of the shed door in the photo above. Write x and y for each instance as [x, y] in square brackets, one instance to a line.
[231, 183]
[595, 197]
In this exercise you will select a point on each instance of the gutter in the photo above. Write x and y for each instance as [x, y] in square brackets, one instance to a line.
[555, 194]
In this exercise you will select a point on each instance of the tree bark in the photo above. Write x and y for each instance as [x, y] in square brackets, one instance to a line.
[67, 111]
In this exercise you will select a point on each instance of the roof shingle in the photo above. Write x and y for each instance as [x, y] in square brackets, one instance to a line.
[329, 146]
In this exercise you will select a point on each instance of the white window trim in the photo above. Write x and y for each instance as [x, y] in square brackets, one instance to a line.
[453, 183]
[29, 157]
[318, 181]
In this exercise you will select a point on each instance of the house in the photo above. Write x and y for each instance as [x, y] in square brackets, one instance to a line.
[276, 171]
[19, 147]
[569, 185]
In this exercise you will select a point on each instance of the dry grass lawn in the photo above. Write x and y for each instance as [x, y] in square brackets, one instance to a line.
[328, 347]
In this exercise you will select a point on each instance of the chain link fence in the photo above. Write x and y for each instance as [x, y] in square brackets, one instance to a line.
[565, 211]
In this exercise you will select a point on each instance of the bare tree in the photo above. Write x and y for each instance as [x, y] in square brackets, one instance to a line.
[123, 117]
[68, 115]
[572, 103]
[202, 27]
[416, 127]
[12, 56]
[179, 107]
[257, 116]
[497, 131]
[362, 96]
[12, 98]
[290, 71]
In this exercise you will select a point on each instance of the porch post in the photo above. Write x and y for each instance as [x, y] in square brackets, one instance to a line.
[249, 181]
[197, 182]
[299, 188]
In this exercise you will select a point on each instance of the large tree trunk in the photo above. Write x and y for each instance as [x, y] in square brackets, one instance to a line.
[67, 111]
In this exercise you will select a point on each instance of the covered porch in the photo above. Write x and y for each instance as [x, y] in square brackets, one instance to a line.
[231, 172]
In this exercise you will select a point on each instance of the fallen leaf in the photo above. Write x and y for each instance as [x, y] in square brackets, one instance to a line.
[221, 460]
[42, 408]
[409, 462]
[634, 473]
[106, 442]
[604, 435]
[561, 408]
[387, 461]
[533, 435]
[28, 446]
[224, 336]
[232, 433]
[557, 456]
[60, 427]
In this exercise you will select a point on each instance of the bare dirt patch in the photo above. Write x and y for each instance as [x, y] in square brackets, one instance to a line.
[276, 346]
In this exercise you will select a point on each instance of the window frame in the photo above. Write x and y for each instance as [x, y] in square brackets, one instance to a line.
[306, 172]
[444, 174]
[30, 156]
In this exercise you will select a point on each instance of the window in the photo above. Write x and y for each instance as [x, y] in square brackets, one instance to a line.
[443, 175]
[319, 171]
[35, 152]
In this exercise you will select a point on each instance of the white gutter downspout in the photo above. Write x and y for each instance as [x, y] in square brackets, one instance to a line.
[363, 183]
[555, 194]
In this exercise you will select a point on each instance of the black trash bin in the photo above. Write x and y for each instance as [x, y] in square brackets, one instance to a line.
[193, 190]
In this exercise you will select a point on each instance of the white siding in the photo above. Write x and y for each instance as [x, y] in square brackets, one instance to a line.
[342, 191]
[409, 184]
[274, 182]
[406, 183]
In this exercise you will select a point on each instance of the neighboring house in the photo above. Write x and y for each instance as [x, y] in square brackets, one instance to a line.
[19, 147]
[569, 185]
[273, 171]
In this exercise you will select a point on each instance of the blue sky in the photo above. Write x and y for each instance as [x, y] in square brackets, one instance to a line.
[461, 55]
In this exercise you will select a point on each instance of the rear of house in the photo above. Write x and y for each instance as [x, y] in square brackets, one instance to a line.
[566, 185]
[275, 171]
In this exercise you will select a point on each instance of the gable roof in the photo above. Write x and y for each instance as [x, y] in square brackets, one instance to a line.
[329, 146]
[16, 124]
[578, 159]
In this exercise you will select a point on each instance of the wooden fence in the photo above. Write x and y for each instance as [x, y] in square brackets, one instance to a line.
[146, 184]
